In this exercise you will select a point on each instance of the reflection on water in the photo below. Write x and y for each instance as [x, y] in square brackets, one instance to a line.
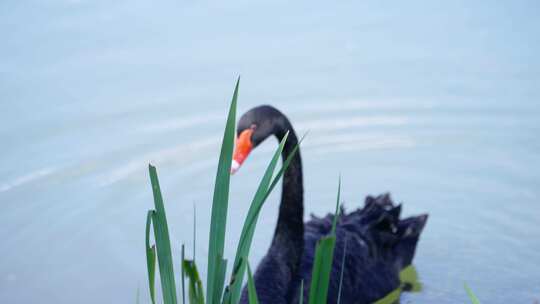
[435, 102]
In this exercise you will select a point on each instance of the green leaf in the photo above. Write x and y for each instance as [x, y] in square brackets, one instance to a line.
[220, 204]
[226, 295]
[246, 237]
[252, 292]
[390, 298]
[183, 274]
[195, 292]
[334, 222]
[301, 301]
[194, 231]
[150, 259]
[284, 167]
[342, 270]
[163, 244]
[472, 296]
[408, 276]
[249, 225]
[220, 278]
[322, 265]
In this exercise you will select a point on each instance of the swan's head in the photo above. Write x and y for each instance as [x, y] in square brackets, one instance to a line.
[253, 128]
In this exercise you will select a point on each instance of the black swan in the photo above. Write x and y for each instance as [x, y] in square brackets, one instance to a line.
[379, 244]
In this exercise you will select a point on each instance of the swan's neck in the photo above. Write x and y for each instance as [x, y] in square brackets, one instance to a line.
[289, 234]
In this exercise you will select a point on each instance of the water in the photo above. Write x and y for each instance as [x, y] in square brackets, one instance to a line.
[436, 102]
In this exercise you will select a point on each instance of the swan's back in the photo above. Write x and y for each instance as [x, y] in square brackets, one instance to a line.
[379, 246]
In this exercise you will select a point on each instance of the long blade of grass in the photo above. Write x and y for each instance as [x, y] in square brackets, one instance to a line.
[195, 291]
[194, 231]
[237, 276]
[334, 222]
[284, 167]
[390, 298]
[472, 296]
[301, 301]
[163, 243]
[220, 202]
[252, 292]
[183, 274]
[342, 271]
[246, 237]
[150, 259]
[220, 279]
[249, 224]
[227, 295]
[322, 265]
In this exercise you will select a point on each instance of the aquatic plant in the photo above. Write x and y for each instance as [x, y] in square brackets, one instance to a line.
[216, 290]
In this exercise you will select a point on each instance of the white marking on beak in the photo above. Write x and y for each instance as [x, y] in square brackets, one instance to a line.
[234, 166]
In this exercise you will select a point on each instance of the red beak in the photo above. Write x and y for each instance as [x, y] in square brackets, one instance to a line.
[242, 149]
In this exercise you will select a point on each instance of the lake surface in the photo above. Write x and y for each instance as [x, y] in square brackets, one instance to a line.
[437, 103]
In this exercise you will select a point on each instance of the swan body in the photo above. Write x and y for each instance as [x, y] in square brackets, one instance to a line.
[378, 243]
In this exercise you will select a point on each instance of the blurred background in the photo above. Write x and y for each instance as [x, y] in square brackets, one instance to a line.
[437, 102]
